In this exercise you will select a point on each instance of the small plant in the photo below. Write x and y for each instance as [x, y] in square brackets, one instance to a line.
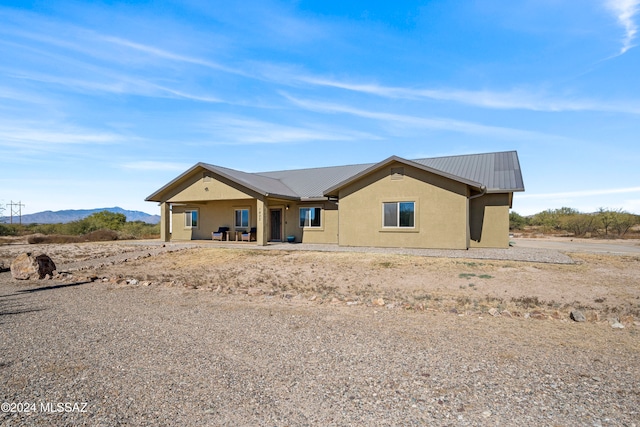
[527, 302]
[466, 275]
[485, 276]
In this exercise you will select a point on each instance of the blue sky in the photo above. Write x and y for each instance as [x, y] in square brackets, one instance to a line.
[103, 103]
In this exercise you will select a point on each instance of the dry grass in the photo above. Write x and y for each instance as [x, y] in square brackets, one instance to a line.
[598, 284]
[94, 236]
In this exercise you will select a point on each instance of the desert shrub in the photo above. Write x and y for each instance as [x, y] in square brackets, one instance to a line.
[553, 219]
[105, 220]
[578, 223]
[140, 230]
[623, 221]
[5, 230]
[103, 235]
[94, 236]
[517, 221]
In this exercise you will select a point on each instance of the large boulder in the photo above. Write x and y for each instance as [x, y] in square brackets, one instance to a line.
[27, 266]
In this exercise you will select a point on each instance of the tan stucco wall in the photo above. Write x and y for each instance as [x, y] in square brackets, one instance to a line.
[211, 215]
[489, 221]
[440, 216]
[327, 232]
[196, 188]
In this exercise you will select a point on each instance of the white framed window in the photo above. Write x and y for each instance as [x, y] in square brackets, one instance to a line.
[191, 219]
[310, 217]
[241, 218]
[399, 214]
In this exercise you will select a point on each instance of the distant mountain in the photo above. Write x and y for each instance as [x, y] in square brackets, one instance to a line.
[57, 217]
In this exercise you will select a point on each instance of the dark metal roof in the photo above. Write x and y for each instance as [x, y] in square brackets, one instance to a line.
[498, 172]
[259, 183]
[311, 183]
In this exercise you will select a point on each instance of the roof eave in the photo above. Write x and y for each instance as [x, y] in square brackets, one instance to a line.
[504, 190]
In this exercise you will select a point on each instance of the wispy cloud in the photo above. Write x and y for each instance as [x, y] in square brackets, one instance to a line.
[30, 134]
[118, 84]
[625, 10]
[514, 99]
[433, 123]
[165, 54]
[584, 193]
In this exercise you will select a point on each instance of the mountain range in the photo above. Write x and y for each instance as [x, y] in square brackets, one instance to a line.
[69, 215]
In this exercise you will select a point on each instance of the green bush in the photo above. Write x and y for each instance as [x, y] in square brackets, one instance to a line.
[96, 223]
[517, 221]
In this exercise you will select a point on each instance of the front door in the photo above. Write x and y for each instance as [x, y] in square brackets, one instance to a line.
[276, 225]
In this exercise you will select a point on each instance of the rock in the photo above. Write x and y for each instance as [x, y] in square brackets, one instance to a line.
[378, 301]
[615, 324]
[577, 316]
[494, 312]
[506, 313]
[26, 266]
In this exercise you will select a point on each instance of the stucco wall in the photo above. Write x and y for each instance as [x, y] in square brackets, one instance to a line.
[489, 221]
[440, 210]
[211, 215]
[328, 230]
[197, 187]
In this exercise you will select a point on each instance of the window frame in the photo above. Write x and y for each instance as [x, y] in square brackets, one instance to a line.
[398, 215]
[318, 209]
[188, 218]
[235, 218]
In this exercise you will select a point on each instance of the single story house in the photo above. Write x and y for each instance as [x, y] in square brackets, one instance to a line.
[455, 202]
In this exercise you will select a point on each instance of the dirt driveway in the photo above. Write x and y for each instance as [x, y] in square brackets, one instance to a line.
[198, 335]
[566, 244]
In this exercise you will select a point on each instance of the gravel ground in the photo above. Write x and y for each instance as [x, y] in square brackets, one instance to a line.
[147, 356]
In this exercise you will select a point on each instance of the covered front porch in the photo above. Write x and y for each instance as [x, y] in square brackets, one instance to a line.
[272, 220]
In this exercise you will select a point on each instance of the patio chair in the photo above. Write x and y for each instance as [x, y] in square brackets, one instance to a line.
[247, 236]
[220, 234]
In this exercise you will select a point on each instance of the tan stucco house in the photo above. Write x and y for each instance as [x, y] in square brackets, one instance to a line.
[455, 202]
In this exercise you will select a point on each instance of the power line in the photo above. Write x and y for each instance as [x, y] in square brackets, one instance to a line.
[15, 209]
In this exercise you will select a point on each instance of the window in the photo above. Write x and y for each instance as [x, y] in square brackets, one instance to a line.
[191, 219]
[398, 214]
[242, 218]
[310, 217]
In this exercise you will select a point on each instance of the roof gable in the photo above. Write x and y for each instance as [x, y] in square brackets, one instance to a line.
[333, 191]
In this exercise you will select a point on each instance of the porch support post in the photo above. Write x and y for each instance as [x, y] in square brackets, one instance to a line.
[262, 236]
[165, 221]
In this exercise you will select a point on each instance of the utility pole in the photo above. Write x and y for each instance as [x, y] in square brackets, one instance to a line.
[1, 213]
[15, 209]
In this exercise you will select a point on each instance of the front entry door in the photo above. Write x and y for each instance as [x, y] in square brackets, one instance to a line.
[276, 225]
